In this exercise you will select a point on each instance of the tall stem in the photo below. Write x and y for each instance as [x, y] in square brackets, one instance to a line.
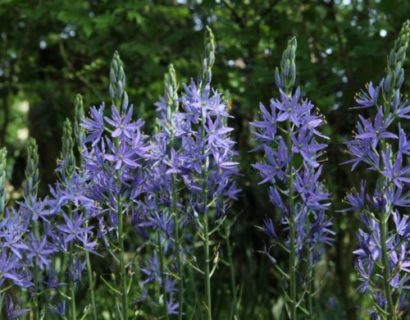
[207, 269]
[232, 274]
[385, 262]
[384, 218]
[204, 176]
[37, 275]
[163, 278]
[178, 251]
[73, 311]
[311, 288]
[1, 304]
[91, 285]
[292, 229]
[123, 269]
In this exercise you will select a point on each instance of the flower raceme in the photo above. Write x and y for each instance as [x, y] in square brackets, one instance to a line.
[287, 134]
[381, 144]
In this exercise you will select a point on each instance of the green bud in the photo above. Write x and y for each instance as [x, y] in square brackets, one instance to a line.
[67, 159]
[117, 78]
[288, 66]
[387, 83]
[209, 56]
[171, 88]
[278, 78]
[79, 132]
[395, 61]
[32, 179]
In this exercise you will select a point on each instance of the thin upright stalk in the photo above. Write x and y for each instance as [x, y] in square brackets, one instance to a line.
[163, 278]
[73, 311]
[385, 262]
[123, 269]
[232, 275]
[207, 269]
[91, 285]
[37, 275]
[311, 289]
[292, 230]
[193, 288]
[1, 304]
[204, 176]
[178, 251]
[383, 225]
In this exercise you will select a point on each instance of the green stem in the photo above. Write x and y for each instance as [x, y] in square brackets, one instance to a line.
[204, 176]
[232, 275]
[385, 262]
[384, 218]
[207, 269]
[36, 300]
[194, 290]
[163, 279]
[1, 304]
[91, 286]
[123, 269]
[311, 290]
[178, 252]
[292, 229]
[72, 300]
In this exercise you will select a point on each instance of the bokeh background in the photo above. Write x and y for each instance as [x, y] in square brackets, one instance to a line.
[51, 50]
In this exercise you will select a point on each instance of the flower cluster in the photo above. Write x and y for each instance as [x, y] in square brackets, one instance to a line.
[41, 232]
[205, 159]
[381, 144]
[191, 172]
[115, 161]
[287, 136]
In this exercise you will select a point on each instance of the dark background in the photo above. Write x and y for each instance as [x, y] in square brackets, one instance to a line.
[51, 50]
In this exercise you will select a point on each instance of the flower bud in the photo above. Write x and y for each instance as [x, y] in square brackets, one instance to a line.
[117, 78]
[30, 186]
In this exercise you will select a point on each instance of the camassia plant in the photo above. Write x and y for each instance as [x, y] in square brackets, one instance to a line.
[287, 135]
[153, 206]
[381, 144]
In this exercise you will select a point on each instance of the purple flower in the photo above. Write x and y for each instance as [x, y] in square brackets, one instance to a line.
[275, 170]
[94, 125]
[288, 137]
[269, 228]
[377, 131]
[76, 269]
[267, 125]
[290, 107]
[40, 252]
[122, 156]
[382, 258]
[14, 311]
[395, 172]
[11, 268]
[73, 228]
[368, 98]
[122, 124]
